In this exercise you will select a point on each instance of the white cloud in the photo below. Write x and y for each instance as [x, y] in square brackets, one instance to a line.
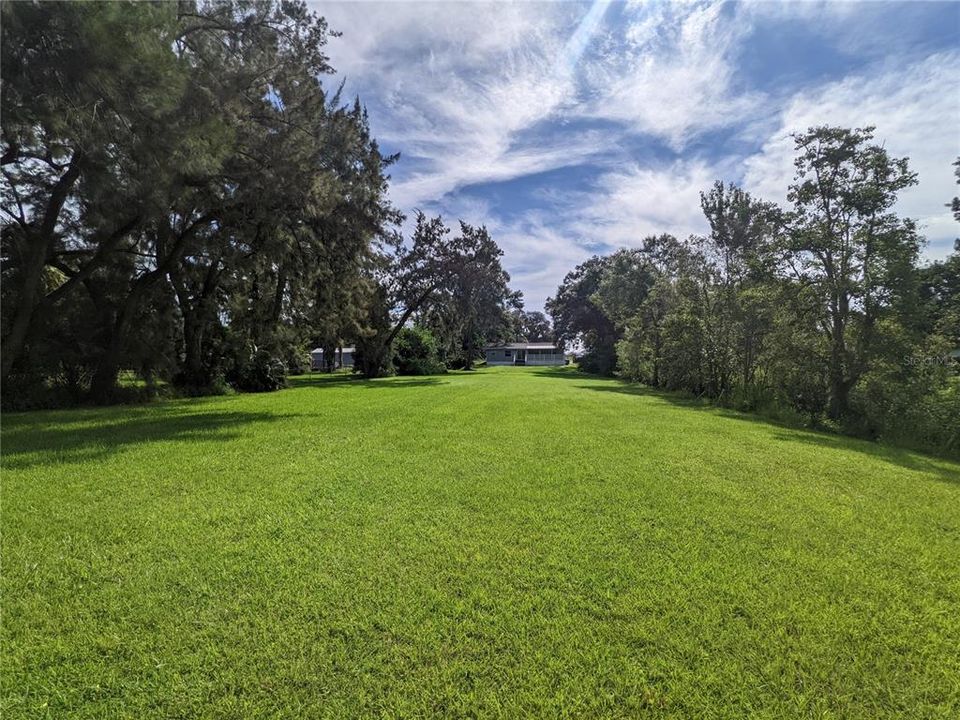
[673, 76]
[628, 205]
[916, 111]
[461, 83]
[464, 91]
[621, 209]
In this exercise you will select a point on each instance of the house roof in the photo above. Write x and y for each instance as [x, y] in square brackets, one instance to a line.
[320, 350]
[523, 346]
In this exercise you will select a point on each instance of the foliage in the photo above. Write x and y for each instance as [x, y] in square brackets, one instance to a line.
[455, 287]
[821, 310]
[530, 326]
[578, 320]
[257, 370]
[183, 189]
[844, 241]
[415, 353]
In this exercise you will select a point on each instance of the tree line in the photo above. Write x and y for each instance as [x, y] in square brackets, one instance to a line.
[186, 203]
[820, 310]
[184, 200]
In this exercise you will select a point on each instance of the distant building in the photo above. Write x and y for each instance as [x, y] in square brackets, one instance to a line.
[342, 359]
[524, 354]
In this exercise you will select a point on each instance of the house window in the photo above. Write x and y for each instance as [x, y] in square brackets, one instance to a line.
[506, 353]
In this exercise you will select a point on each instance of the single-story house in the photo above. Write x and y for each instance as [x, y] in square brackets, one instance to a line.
[342, 359]
[524, 354]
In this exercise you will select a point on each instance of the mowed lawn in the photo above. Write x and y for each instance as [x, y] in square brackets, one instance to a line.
[513, 542]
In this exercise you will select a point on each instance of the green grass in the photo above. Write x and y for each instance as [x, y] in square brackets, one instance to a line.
[505, 543]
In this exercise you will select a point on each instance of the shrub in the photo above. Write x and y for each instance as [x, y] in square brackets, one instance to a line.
[258, 371]
[415, 353]
[297, 359]
[913, 402]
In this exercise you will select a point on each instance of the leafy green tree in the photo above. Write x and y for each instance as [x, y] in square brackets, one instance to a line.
[456, 286]
[478, 300]
[93, 138]
[578, 319]
[739, 257]
[181, 166]
[530, 326]
[845, 241]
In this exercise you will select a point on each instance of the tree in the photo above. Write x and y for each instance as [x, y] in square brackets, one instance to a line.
[179, 172]
[845, 241]
[416, 353]
[579, 320]
[739, 255]
[90, 112]
[404, 279]
[475, 307]
[456, 287]
[530, 326]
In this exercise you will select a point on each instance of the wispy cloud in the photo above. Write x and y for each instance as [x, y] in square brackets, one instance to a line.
[916, 110]
[459, 83]
[671, 74]
[574, 128]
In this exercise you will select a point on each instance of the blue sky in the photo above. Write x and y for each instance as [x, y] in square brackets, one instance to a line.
[571, 129]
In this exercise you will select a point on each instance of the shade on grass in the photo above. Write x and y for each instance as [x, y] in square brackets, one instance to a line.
[505, 543]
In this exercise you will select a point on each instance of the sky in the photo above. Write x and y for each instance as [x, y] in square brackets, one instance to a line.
[571, 129]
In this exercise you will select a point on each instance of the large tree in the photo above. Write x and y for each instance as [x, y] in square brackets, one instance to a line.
[579, 321]
[456, 287]
[181, 163]
[846, 242]
[94, 138]
[530, 326]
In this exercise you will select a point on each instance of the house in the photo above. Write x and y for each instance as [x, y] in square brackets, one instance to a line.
[524, 354]
[344, 358]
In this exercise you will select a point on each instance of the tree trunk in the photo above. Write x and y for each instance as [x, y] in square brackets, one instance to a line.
[839, 385]
[196, 318]
[373, 367]
[103, 385]
[277, 308]
[39, 248]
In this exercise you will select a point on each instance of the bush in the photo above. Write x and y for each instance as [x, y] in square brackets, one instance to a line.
[914, 403]
[297, 359]
[28, 391]
[259, 371]
[415, 353]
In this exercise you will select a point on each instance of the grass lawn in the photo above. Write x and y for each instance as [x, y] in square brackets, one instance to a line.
[513, 542]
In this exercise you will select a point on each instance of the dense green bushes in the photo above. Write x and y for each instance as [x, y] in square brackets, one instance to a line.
[416, 353]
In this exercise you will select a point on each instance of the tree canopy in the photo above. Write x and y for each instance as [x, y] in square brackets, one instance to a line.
[185, 199]
[820, 309]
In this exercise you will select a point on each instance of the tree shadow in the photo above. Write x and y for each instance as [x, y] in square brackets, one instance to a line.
[567, 372]
[321, 379]
[942, 468]
[46, 439]
[388, 383]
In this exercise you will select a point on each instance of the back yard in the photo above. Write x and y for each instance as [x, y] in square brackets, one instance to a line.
[504, 543]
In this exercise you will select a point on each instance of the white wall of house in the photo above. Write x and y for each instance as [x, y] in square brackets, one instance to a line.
[499, 356]
[545, 358]
[531, 356]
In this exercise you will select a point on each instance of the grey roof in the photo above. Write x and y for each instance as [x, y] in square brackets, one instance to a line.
[523, 346]
[320, 350]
